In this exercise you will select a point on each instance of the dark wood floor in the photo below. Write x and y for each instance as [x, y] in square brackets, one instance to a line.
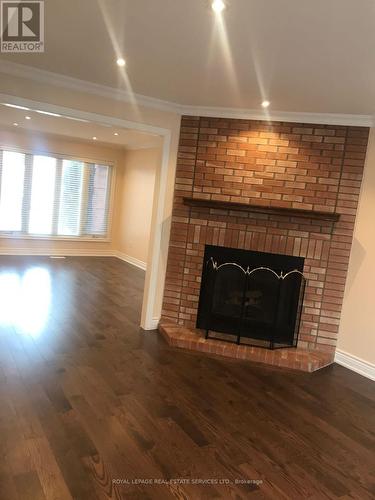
[87, 400]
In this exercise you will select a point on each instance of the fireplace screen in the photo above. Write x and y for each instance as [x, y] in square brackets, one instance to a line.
[253, 298]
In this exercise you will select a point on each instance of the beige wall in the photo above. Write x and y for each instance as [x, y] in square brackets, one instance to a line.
[136, 193]
[357, 328]
[53, 144]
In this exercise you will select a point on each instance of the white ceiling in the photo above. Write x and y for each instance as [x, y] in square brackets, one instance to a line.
[302, 55]
[77, 130]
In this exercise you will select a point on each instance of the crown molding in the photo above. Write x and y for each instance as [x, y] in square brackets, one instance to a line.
[67, 82]
[83, 115]
[282, 116]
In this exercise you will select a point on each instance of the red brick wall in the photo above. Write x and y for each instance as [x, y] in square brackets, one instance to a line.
[314, 167]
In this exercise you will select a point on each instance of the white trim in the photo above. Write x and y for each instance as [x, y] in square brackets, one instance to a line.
[153, 324]
[59, 80]
[69, 252]
[130, 260]
[147, 318]
[73, 252]
[81, 115]
[282, 116]
[20, 236]
[68, 82]
[356, 364]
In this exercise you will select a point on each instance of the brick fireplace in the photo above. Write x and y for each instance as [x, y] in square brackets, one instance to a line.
[277, 187]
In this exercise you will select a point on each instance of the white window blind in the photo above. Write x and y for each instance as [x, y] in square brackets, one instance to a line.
[42, 195]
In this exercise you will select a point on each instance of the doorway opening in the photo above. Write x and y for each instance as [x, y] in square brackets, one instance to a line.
[127, 195]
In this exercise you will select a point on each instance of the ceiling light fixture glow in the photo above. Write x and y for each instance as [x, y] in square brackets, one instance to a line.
[47, 113]
[28, 117]
[116, 133]
[218, 6]
[76, 119]
[94, 138]
[15, 106]
[15, 124]
[265, 104]
[121, 62]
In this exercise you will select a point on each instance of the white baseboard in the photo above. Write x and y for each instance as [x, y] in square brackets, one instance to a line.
[130, 260]
[153, 324]
[74, 252]
[70, 252]
[358, 365]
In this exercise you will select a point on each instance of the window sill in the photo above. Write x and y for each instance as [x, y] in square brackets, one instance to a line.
[53, 238]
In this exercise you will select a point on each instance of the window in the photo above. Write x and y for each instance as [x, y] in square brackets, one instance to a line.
[71, 198]
[42, 195]
[11, 194]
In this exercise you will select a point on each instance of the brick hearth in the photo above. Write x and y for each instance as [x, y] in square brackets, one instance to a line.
[280, 165]
[296, 359]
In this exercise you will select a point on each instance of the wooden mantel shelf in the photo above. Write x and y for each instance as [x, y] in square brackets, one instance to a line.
[260, 209]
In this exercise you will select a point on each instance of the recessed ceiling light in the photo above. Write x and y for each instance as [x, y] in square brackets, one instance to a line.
[265, 104]
[15, 124]
[94, 138]
[115, 133]
[28, 117]
[121, 62]
[218, 6]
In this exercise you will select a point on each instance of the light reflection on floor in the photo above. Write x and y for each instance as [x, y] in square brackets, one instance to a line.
[25, 300]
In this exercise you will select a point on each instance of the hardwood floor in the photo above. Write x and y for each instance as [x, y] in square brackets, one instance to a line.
[89, 401]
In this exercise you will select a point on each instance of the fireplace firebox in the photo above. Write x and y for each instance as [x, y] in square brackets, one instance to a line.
[251, 298]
